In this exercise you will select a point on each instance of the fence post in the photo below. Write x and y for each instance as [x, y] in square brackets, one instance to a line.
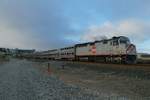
[48, 69]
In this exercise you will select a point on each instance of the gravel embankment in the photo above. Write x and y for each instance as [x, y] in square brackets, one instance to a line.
[26, 80]
[103, 80]
[21, 80]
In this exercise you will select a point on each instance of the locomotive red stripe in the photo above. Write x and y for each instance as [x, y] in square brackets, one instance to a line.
[130, 48]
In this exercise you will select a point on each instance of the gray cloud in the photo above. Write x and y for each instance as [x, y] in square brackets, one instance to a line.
[33, 24]
[137, 30]
[47, 24]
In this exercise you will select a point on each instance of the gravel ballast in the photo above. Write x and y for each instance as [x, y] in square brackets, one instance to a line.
[24, 80]
[21, 80]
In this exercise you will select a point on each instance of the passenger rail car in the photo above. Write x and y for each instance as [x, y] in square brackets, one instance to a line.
[67, 53]
[117, 49]
[50, 54]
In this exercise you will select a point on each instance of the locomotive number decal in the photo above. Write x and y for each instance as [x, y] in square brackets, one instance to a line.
[93, 49]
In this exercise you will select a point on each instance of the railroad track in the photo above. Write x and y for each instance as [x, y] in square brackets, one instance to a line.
[145, 67]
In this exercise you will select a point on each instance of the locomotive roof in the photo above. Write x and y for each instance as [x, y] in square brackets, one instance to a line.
[83, 44]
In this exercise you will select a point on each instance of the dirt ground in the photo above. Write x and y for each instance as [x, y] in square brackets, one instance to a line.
[103, 79]
[34, 80]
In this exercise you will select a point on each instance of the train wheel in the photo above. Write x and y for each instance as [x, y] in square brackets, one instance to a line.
[123, 60]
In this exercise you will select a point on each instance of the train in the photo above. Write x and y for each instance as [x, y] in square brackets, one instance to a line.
[114, 50]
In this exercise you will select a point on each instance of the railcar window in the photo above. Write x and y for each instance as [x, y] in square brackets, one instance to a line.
[110, 43]
[81, 45]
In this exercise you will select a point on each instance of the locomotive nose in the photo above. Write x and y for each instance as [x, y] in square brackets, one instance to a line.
[131, 49]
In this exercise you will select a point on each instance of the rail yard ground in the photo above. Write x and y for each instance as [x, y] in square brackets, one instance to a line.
[66, 80]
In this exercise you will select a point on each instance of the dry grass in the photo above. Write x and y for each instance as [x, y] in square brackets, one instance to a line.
[105, 78]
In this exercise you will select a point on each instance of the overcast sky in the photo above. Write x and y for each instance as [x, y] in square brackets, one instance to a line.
[49, 24]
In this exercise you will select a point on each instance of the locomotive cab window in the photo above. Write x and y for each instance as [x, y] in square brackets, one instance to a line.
[105, 42]
[124, 41]
[115, 42]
